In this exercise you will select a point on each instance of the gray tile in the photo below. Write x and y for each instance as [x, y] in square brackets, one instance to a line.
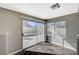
[51, 48]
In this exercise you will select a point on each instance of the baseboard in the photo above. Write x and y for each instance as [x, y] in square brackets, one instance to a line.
[15, 52]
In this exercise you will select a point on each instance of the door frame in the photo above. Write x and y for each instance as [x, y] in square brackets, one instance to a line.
[27, 19]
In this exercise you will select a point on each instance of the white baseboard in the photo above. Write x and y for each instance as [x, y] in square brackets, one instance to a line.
[15, 52]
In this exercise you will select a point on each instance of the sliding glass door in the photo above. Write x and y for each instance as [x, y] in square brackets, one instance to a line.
[57, 34]
[33, 33]
[57, 31]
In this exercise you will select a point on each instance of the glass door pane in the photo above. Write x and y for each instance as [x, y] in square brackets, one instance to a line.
[29, 33]
[33, 33]
[50, 32]
[60, 32]
[40, 32]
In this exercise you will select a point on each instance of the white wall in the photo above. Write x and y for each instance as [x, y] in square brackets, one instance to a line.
[2, 43]
[11, 24]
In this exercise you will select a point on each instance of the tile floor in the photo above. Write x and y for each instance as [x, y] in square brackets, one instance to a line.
[52, 49]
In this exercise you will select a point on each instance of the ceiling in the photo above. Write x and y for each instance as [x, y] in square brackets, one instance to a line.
[42, 10]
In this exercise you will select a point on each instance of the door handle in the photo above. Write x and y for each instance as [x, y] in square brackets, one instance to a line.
[22, 34]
